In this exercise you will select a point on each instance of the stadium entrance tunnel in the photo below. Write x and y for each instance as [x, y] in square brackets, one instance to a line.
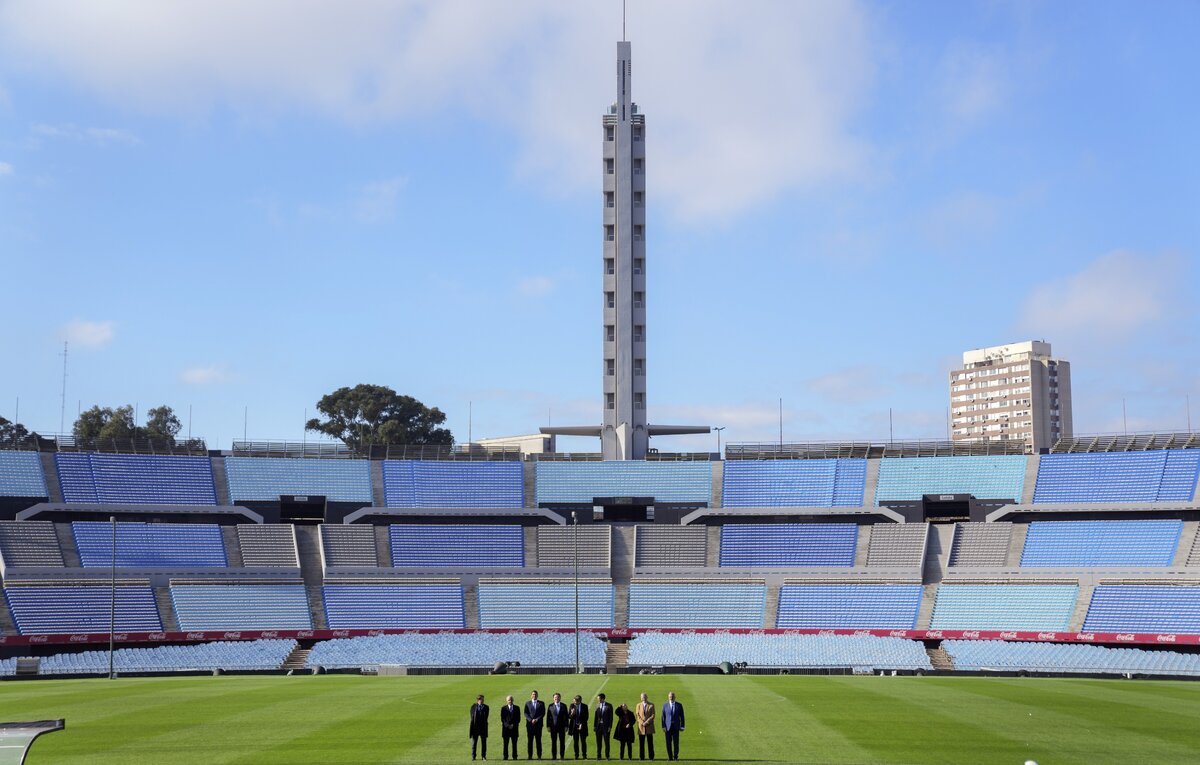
[302, 508]
[623, 509]
[17, 737]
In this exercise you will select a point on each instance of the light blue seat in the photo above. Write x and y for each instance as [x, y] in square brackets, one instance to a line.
[696, 604]
[265, 479]
[544, 604]
[150, 545]
[1004, 606]
[788, 544]
[241, 606]
[1000, 655]
[475, 650]
[21, 475]
[1144, 608]
[999, 476]
[794, 483]
[394, 606]
[581, 482]
[861, 653]
[1101, 543]
[461, 546]
[135, 479]
[849, 606]
[59, 609]
[1152, 476]
[417, 483]
[227, 655]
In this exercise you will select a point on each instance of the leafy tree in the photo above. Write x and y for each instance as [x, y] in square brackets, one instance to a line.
[376, 414]
[161, 422]
[15, 434]
[106, 423]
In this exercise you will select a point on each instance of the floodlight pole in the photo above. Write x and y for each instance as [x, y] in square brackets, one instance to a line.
[575, 522]
[112, 608]
[718, 430]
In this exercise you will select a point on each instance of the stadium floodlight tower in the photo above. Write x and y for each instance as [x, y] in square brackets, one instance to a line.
[624, 434]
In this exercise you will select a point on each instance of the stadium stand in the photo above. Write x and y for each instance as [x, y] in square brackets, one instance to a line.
[556, 546]
[696, 604]
[228, 655]
[394, 606]
[475, 650]
[789, 544]
[63, 608]
[849, 606]
[898, 545]
[981, 544]
[21, 475]
[241, 606]
[1101, 543]
[1004, 606]
[1144, 608]
[1150, 476]
[673, 546]
[267, 478]
[999, 476]
[975, 655]
[544, 604]
[860, 653]
[581, 482]
[349, 545]
[457, 546]
[150, 545]
[270, 545]
[417, 483]
[135, 479]
[29, 543]
[794, 483]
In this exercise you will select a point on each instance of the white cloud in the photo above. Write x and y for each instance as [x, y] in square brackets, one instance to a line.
[851, 385]
[209, 375]
[6, 169]
[89, 334]
[535, 286]
[377, 201]
[1113, 297]
[755, 102]
[97, 135]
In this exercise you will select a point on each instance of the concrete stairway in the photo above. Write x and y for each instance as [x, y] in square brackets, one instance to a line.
[621, 605]
[616, 656]
[66, 543]
[623, 554]
[771, 612]
[1017, 545]
[714, 547]
[377, 495]
[925, 615]
[51, 471]
[937, 552]
[166, 609]
[7, 626]
[296, 660]
[220, 480]
[471, 605]
[940, 659]
[531, 546]
[233, 546]
[1186, 541]
[1082, 601]
[862, 546]
[383, 546]
[308, 545]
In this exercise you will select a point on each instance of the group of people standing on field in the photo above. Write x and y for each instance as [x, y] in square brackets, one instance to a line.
[621, 723]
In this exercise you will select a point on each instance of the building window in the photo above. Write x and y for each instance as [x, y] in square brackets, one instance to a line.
[609, 199]
[639, 299]
[610, 367]
[637, 166]
[609, 133]
[610, 401]
[610, 233]
[610, 333]
[610, 266]
[610, 299]
[639, 366]
[608, 166]
[639, 333]
[638, 200]
[637, 132]
[639, 400]
[639, 265]
[638, 233]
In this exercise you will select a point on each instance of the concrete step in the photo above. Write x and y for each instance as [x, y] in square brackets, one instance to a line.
[51, 471]
[471, 605]
[383, 546]
[233, 546]
[377, 495]
[771, 612]
[621, 604]
[220, 480]
[7, 626]
[1017, 545]
[66, 543]
[297, 659]
[531, 546]
[616, 655]
[937, 552]
[530, 484]
[940, 659]
[1082, 601]
[166, 609]
[925, 615]
[622, 553]
[1187, 539]
[713, 553]
[863, 545]
[308, 546]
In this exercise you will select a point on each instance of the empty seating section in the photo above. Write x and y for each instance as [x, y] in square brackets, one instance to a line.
[1144, 608]
[675, 546]
[974, 655]
[696, 604]
[21, 475]
[241, 606]
[848, 606]
[981, 544]
[29, 543]
[266, 478]
[1101, 543]
[556, 546]
[789, 544]
[394, 606]
[271, 545]
[581, 482]
[135, 479]
[861, 653]
[477, 650]
[416, 483]
[984, 477]
[228, 655]
[898, 545]
[794, 483]
[349, 545]
[1004, 606]
[544, 604]
[52, 609]
[456, 546]
[1154, 476]
[150, 545]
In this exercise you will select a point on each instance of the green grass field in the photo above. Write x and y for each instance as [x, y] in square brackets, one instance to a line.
[351, 719]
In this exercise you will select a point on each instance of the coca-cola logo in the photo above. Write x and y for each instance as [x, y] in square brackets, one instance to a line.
[341, 633]
[1047, 635]
[1008, 636]
[687, 632]
[971, 634]
[268, 634]
[1126, 637]
[933, 634]
[826, 633]
[39, 639]
[79, 638]
[121, 636]
[1088, 636]
[375, 633]
[157, 636]
[232, 636]
[304, 634]
[898, 633]
[860, 633]
[195, 636]
[1166, 638]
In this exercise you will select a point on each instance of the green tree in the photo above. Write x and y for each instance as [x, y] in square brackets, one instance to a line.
[162, 423]
[14, 433]
[376, 414]
[107, 423]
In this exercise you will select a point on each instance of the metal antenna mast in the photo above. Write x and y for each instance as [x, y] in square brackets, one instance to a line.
[62, 412]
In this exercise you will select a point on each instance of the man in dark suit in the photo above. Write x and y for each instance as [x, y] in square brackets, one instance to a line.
[535, 715]
[479, 727]
[672, 725]
[578, 717]
[603, 723]
[556, 723]
[510, 725]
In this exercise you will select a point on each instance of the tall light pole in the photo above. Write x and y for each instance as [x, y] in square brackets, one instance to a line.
[575, 523]
[719, 440]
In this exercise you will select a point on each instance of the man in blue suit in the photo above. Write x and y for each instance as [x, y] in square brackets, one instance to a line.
[672, 725]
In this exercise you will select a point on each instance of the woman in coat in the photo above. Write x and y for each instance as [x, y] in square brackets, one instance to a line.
[623, 731]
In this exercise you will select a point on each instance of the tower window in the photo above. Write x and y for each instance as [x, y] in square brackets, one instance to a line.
[639, 366]
[608, 166]
[610, 299]
[637, 132]
[610, 266]
[608, 132]
[637, 199]
[637, 166]
[609, 199]
[638, 233]
[639, 299]
[610, 401]
[639, 265]
[639, 333]
[610, 233]
[610, 333]
[639, 400]
[610, 367]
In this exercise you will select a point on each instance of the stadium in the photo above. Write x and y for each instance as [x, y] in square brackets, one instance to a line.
[860, 601]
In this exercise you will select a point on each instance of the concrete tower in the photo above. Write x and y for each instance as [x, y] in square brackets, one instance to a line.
[624, 434]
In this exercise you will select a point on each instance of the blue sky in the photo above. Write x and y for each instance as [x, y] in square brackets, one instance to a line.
[231, 206]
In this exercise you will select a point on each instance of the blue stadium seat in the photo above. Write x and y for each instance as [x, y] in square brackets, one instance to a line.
[241, 606]
[696, 604]
[794, 483]
[1101, 543]
[544, 604]
[985, 477]
[860, 653]
[789, 544]
[135, 479]
[228, 655]
[975, 655]
[150, 545]
[580, 482]
[849, 606]
[415, 483]
[1004, 606]
[265, 479]
[477, 650]
[461, 546]
[57, 609]
[21, 475]
[394, 606]
[1152, 476]
[1144, 608]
